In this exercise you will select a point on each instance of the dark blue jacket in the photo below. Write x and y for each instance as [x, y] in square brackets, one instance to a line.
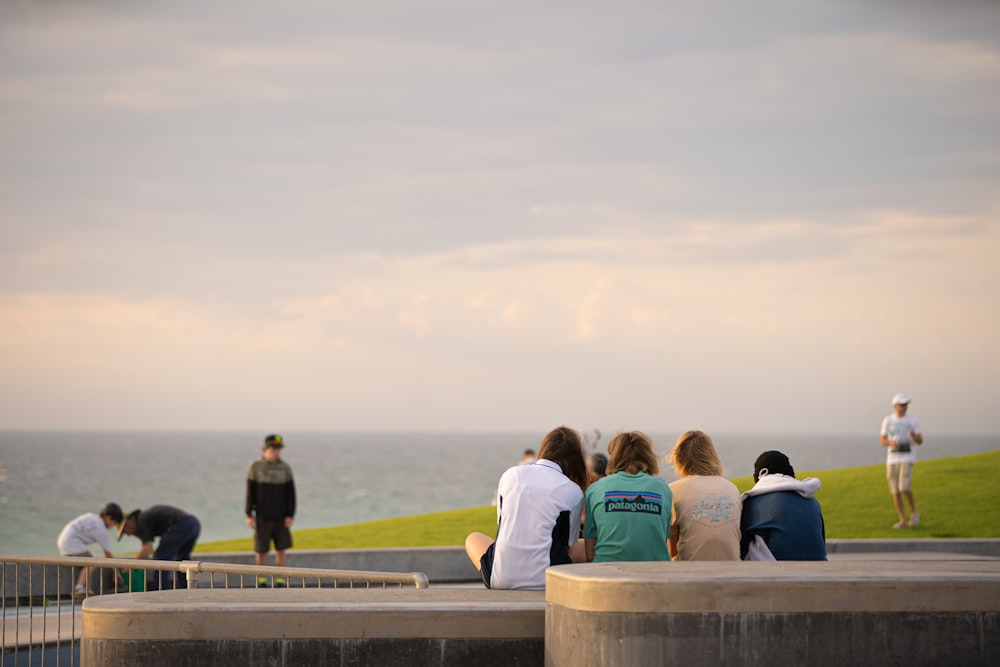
[790, 524]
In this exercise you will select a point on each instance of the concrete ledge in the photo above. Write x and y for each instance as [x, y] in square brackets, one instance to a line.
[914, 612]
[440, 564]
[985, 547]
[777, 586]
[341, 626]
[315, 613]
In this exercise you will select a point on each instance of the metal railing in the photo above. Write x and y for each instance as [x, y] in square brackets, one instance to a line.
[41, 617]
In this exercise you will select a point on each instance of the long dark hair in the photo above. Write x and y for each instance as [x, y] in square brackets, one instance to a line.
[564, 446]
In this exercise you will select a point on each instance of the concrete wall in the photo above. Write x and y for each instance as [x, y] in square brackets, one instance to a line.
[277, 628]
[972, 547]
[851, 612]
[25, 581]
[918, 607]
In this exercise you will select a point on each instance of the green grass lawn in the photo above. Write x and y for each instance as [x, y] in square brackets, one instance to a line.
[957, 497]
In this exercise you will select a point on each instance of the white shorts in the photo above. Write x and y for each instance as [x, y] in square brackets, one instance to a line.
[899, 475]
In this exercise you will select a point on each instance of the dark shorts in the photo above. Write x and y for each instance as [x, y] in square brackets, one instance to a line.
[269, 530]
[486, 565]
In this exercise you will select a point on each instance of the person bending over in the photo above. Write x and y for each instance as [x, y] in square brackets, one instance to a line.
[77, 536]
[178, 532]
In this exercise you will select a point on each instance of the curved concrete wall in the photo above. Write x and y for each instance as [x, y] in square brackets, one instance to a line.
[273, 627]
[851, 612]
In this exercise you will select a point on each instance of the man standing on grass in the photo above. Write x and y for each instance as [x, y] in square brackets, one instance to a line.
[900, 433]
[270, 505]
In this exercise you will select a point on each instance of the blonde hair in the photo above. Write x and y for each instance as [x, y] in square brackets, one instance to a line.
[632, 452]
[695, 454]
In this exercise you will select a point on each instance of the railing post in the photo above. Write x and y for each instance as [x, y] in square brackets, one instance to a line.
[191, 569]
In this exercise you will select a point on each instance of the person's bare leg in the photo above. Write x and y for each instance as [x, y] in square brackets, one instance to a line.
[86, 576]
[914, 514]
[281, 558]
[260, 559]
[897, 500]
[476, 545]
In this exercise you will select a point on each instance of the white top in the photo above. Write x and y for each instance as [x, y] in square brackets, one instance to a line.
[532, 500]
[77, 536]
[775, 481]
[899, 427]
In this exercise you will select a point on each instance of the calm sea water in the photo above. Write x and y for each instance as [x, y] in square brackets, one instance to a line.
[48, 478]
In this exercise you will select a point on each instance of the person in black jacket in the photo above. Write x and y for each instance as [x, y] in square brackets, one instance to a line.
[781, 519]
[270, 504]
[178, 532]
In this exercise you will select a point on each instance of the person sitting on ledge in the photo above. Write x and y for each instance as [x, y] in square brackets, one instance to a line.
[782, 520]
[628, 511]
[538, 516]
[706, 513]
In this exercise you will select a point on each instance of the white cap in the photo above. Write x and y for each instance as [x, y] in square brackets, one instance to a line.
[900, 399]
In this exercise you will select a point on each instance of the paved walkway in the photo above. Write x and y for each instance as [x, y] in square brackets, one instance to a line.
[33, 625]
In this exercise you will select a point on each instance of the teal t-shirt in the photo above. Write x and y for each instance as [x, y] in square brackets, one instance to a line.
[629, 516]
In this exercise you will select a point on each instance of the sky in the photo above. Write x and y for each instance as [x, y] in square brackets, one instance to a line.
[452, 216]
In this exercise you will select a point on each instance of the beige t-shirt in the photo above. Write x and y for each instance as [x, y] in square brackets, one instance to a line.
[707, 512]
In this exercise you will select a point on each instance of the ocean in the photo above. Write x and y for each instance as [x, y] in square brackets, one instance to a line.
[47, 478]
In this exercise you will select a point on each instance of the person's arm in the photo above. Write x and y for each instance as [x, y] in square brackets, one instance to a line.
[250, 503]
[145, 551]
[746, 537]
[290, 502]
[917, 436]
[102, 539]
[118, 574]
[884, 438]
[590, 547]
[675, 533]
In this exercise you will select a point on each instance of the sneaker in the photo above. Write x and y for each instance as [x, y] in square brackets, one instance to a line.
[81, 592]
[899, 524]
[262, 582]
[914, 518]
[279, 583]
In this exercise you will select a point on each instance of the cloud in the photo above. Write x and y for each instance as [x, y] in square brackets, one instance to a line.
[221, 212]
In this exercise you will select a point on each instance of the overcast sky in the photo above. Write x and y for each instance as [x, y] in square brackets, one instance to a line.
[442, 215]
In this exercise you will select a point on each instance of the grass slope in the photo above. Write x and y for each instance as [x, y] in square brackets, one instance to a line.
[957, 497]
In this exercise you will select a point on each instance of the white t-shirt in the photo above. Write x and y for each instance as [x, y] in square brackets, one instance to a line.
[77, 536]
[899, 427]
[532, 500]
